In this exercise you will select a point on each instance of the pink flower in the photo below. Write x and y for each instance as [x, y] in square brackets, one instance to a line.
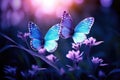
[36, 68]
[26, 34]
[74, 55]
[41, 50]
[97, 60]
[22, 35]
[92, 42]
[52, 58]
[76, 46]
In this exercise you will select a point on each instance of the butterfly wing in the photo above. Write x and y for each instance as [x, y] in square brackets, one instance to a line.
[34, 31]
[66, 25]
[51, 45]
[35, 44]
[35, 35]
[85, 25]
[82, 29]
[53, 33]
[79, 37]
[51, 37]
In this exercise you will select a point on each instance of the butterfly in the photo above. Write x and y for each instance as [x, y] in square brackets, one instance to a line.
[49, 42]
[79, 32]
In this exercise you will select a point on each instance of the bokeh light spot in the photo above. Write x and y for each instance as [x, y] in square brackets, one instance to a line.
[106, 3]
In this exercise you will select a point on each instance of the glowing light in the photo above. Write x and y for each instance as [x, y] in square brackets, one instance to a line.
[36, 3]
[51, 6]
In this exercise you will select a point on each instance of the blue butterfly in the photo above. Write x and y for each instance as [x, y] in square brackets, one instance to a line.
[48, 42]
[79, 32]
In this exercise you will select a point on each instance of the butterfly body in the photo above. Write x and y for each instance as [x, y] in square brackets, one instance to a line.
[79, 32]
[48, 42]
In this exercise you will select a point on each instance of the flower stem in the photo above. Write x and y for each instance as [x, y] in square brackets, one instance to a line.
[27, 50]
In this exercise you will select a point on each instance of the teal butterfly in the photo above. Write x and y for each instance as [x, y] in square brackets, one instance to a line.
[49, 42]
[79, 32]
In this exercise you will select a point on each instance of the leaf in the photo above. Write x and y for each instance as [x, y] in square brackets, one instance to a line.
[113, 75]
[114, 71]
[6, 47]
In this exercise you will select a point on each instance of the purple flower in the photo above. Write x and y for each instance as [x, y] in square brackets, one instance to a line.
[41, 50]
[22, 35]
[76, 46]
[74, 55]
[52, 58]
[10, 70]
[97, 60]
[92, 42]
[26, 35]
[37, 68]
[31, 73]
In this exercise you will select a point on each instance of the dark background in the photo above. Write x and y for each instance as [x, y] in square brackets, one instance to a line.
[106, 28]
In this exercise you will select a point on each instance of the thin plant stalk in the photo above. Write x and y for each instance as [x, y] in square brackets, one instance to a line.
[27, 50]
